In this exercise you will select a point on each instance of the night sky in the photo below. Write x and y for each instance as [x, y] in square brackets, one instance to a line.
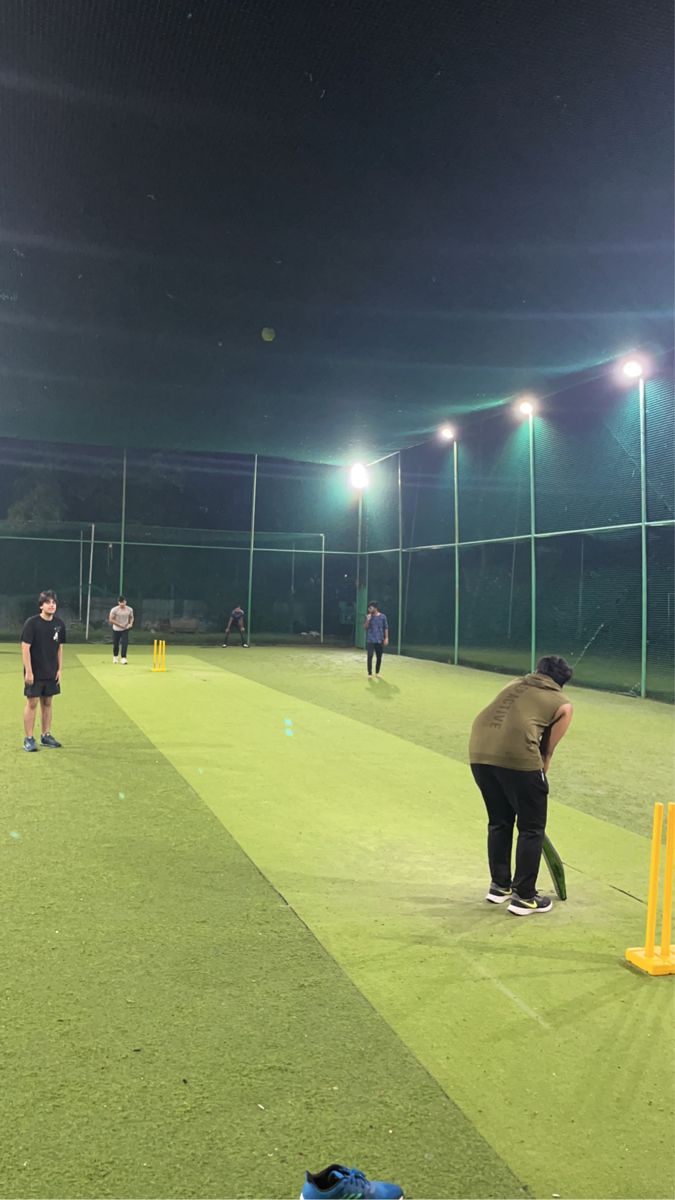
[432, 205]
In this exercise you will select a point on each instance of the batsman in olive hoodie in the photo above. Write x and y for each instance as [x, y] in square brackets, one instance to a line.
[510, 750]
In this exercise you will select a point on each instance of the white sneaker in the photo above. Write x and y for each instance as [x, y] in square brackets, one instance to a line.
[245, 646]
[115, 660]
[124, 662]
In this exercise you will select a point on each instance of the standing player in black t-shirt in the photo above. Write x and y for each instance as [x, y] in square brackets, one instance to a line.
[42, 641]
[238, 618]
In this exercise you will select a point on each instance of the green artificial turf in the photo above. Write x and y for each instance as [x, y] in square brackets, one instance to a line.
[170, 1026]
[615, 762]
[293, 925]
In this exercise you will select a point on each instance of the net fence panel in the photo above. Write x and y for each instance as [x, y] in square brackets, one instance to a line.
[381, 511]
[589, 606]
[340, 597]
[661, 614]
[192, 539]
[310, 498]
[194, 491]
[587, 460]
[61, 485]
[660, 440]
[286, 595]
[382, 588]
[183, 590]
[429, 604]
[428, 502]
[30, 565]
[494, 606]
[494, 490]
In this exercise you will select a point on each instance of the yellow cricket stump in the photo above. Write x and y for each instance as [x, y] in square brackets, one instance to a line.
[658, 960]
[158, 655]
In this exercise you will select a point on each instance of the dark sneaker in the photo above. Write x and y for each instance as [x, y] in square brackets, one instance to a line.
[524, 908]
[498, 895]
[48, 740]
[29, 745]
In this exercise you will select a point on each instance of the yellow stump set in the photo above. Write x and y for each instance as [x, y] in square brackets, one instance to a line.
[158, 655]
[659, 960]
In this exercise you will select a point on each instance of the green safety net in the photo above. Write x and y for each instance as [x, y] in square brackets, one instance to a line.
[588, 606]
[583, 453]
[429, 603]
[189, 536]
[494, 605]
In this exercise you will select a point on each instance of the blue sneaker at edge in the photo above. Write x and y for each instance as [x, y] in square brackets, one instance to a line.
[29, 745]
[347, 1183]
[48, 740]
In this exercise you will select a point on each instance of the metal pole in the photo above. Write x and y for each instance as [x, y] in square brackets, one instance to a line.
[81, 570]
[580, 592]
[91, 572]
[323, 580]
[359, 541]
[455, 473]
[513, 575]
[533, 551]
[123, 520]
[250, 553]
[400, 557]
[643, 535]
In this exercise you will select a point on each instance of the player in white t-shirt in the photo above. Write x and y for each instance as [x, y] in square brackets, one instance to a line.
[121, 618]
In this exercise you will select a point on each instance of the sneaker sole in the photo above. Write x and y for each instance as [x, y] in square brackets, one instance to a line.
[528, 912]
[497, 899]
[302, 1196]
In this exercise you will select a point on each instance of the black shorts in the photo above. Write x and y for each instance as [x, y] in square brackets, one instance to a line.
[41, 687]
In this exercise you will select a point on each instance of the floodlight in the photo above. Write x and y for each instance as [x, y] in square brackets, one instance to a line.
[359, 476]
[633, 369]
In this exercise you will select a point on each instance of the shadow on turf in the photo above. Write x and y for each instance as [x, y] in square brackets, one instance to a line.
[380, 688]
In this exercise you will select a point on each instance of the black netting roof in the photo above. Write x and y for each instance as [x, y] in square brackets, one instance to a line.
[315, 227]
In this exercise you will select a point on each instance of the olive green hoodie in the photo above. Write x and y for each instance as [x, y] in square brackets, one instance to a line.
[508, 732]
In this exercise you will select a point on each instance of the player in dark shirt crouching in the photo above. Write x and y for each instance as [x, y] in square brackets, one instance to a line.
[238, 618]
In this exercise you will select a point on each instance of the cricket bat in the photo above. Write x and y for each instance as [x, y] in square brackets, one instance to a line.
[556, 868]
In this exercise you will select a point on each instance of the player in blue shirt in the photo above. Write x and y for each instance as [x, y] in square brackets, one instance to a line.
[376, 626]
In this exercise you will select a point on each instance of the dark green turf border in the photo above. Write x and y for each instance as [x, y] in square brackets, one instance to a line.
[171, 1028]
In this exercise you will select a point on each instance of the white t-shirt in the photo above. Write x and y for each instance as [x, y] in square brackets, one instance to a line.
[121, 617]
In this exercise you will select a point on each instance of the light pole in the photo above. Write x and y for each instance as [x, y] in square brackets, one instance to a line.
[359, 479]
[633, 370]
[526, 408]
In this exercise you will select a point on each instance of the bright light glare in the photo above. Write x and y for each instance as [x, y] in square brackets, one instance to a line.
[446, 432]
[632, 369]
[359, 476]
[526, 407]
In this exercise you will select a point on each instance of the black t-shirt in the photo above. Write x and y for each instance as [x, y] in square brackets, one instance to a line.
[44, 639]
[237, 614]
